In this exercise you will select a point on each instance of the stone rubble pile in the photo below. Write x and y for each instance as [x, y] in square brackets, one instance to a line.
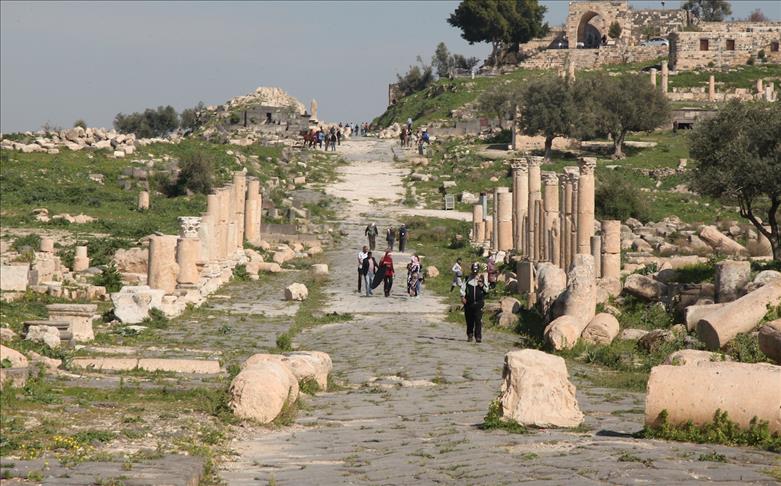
[78, 138]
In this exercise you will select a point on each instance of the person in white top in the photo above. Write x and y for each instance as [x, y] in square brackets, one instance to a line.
[361, 257]
[457, 274]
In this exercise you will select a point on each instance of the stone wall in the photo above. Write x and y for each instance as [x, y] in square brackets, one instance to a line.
[724, 44]
[593, 58]
[655, 23]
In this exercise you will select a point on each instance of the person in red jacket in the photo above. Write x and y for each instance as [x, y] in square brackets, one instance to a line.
[386, 263]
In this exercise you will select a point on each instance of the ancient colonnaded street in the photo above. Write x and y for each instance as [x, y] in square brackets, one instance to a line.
[416, 392]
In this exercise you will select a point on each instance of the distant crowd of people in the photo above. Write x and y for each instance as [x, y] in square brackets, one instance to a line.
[331, 138]
[410, 138]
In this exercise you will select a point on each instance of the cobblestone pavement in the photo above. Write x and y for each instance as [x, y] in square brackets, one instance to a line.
[417, 392]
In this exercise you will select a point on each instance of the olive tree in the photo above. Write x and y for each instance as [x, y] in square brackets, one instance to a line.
[547, 108]
[738, 154]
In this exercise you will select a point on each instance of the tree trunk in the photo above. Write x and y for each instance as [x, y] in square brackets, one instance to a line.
[548, 148]
[618, 145]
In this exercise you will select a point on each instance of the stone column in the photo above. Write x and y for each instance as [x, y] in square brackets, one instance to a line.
[760, 87]
[665, 76]
[478, 225]
[187, 248]
[769, 93]
[240, 188]
[143, 200]
[252, 211]
[585, 229]
[205, 236]
[611, 248]
[573, 175]
[551, 229]
[596, 253]
[535, 195]
[489, 230]
[225, 211]
[162, 263]
[499, 229]
[520, 202]
[313, 109]
[504, 218]
[712, 88]
[80, 260]
[571, 71]
[47, 245]
[653, 77]
[564, 188]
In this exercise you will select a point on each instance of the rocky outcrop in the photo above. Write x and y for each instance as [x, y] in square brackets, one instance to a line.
[536, 390]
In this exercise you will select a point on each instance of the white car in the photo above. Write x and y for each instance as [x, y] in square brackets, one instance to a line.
[656, 41]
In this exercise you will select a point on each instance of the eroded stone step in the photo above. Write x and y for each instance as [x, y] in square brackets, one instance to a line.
[192, 366]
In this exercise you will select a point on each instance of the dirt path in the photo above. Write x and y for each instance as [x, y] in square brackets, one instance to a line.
[417, 392]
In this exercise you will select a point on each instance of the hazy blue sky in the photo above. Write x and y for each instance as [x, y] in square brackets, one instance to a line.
[61, 61]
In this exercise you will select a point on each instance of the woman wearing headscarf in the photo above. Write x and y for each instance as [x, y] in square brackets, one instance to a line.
[413, 276]
[386, 264]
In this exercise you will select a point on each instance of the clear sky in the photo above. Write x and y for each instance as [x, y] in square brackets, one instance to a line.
[60, 61]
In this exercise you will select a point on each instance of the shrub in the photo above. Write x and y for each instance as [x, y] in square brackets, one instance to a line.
[31, 242]
[616, 198]
[156, 319]
[150, 123]
[196, 174]
[110, 278]
[614, 32]
[80, 123]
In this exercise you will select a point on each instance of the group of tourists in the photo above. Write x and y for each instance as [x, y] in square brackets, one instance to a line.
[372, 231]
[371, 273]
[408, 138]
[317, 138]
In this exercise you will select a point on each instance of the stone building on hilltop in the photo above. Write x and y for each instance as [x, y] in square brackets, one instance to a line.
[724, 44]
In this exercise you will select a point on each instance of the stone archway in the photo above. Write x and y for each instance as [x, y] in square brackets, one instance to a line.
[589, 33]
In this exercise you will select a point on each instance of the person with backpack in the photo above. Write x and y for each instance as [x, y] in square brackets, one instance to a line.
[402, 237]
[369, 267]
[321, 138]
[390, 237]
[424, 138]
[473, 292]
[371, 233]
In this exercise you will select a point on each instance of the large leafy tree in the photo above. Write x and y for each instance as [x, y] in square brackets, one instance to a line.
[708, 10]
[499, 21]
[615, 106]
[548, 108]
[500, 101]
[739, 156]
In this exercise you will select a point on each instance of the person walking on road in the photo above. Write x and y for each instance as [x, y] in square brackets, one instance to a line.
[473, 292]
[402, 237]
[413, 277]
[361, 257]
[369, 268]
[371, 233]
[457, 274]
[390, 237]
[386, 263]
[493, 273]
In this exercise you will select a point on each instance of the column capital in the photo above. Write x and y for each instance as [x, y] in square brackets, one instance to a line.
[571, 174]
[550, 178]
[520, 165]
[189, 226]
[587, 165]
[535, 161]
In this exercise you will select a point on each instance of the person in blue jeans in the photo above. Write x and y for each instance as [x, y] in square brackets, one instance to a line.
[369, 268]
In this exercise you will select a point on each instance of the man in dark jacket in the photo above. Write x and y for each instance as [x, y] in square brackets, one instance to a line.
[473, 292]
[402, 237]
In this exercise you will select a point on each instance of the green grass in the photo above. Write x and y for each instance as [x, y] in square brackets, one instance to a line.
[738, 77]
[494, 421]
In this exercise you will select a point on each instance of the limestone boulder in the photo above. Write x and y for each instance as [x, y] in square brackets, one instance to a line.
[432, 271]
[49, 363]
[7, 334]
[580, 298]
[296, 291]
[770, 340]
[14, 278]
[536, 390]
[651, 341]
[283, 254]
[303, 364]
[644, 287]
[261, 391]
[632, 334]
[132, 303]
[14, 357]
[132, 260]
[507, 320]
[602, 329]
[732, 277]
[511, 305]
[721, 243]
[693, 357]
[551, 283]
[320, 269]
[694, 393]
[49, 335]
[563, 332]
[765, 277]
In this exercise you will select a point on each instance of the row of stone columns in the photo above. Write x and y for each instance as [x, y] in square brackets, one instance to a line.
[550, 217]
[233, 216]
[761, 91]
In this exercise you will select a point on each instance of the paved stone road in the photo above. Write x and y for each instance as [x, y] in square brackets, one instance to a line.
[418, 391]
